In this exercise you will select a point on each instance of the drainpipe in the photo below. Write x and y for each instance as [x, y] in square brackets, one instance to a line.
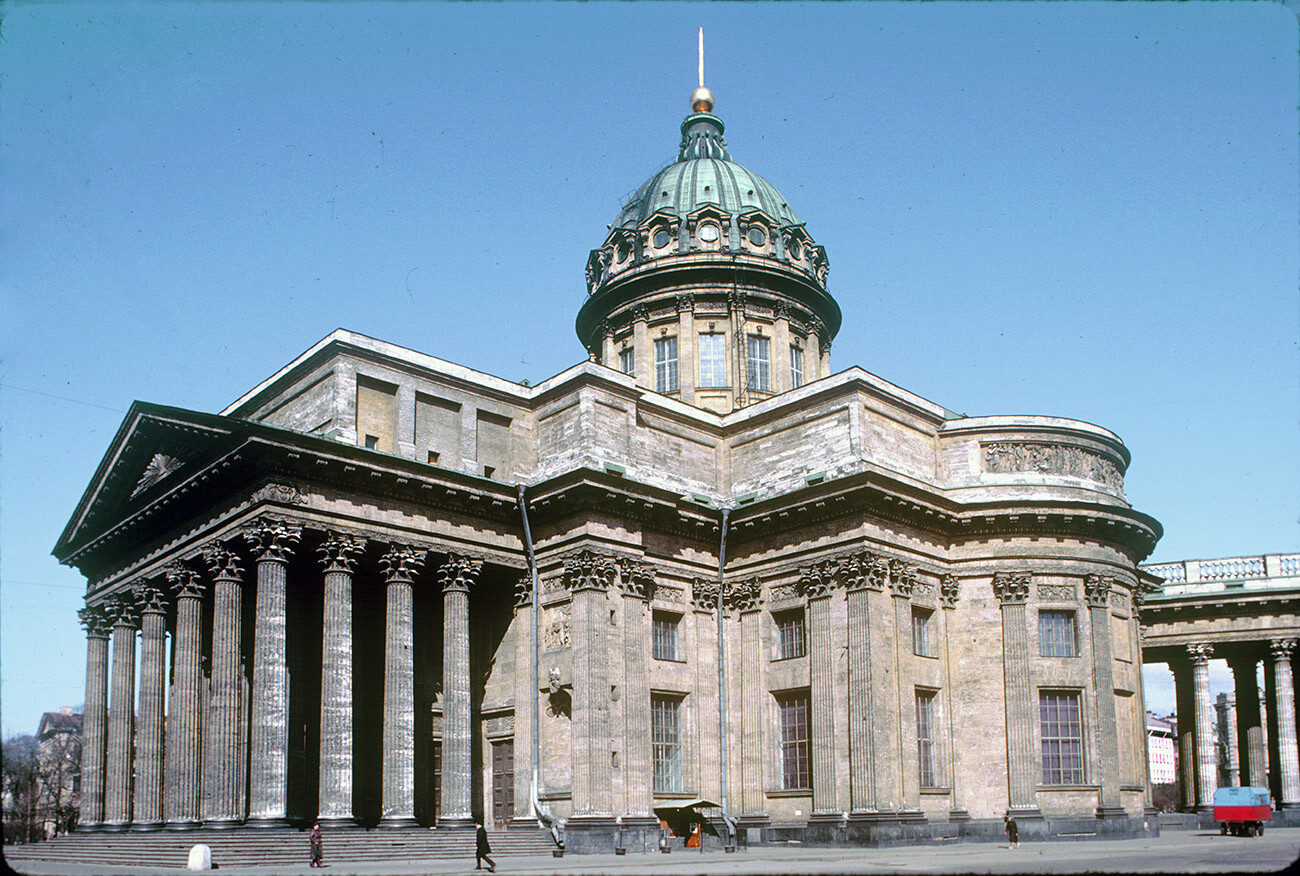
[553, 822]
[722, 687]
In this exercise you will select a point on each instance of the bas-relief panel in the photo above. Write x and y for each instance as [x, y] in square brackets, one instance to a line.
[1052, 459]
[556, 629]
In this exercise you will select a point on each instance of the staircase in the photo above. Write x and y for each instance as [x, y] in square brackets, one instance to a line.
[247, 848]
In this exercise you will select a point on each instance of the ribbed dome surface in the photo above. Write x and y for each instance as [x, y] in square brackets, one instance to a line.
[704, 174]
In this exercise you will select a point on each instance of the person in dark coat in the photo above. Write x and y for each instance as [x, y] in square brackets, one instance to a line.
[1013, 833]
[482, 849]
[316, 847]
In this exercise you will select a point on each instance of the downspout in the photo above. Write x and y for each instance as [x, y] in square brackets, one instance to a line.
[722, 686]
[553, 822]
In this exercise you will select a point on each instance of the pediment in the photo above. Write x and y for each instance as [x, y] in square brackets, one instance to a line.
[156, 450]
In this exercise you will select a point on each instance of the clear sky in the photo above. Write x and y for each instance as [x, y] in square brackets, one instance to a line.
[1077, 209]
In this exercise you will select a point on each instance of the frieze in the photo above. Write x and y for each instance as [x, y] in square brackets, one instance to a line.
[340, 551]
[285, 494]
[949, 590]
[1119, 602]
[271, 538]
[1059, 459]
[1057, 592]
[704, 594]
[402, 563]
[1011, 588]
[784, 592]
[923, 590]
[669, 593]
[744, 596]
[501, 725]
[589, 571]
[459, 572]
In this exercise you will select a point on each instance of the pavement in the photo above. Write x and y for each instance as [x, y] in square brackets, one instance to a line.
[1173, 852]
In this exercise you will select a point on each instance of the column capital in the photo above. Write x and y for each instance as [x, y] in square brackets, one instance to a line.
[223, 562]
[272, 538]
[123, 610]
[340, 551]
[184, 582]
[524, 591]
[1281, 648]
[402, 563]
[949, 590]
[819, 580]
[1011, 588]
[864, 571]
[589, 571]
[459, 572]
[744, 596]
[1200, 652]
[704, 594]
[151, 596]
[1096, 590]
[636, 579]
[96, 620]
[685, 302]
[902, 578]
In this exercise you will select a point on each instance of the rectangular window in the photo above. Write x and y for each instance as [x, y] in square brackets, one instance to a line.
[664, 636]
[666, 365]
[713, 359]
[921, 632]
[666, 742]
[1062, 735]
[789, 634]
[627, 361]
[1056, 634]
[925, 738]
[796, 367]
[793, 712]
[760, 363]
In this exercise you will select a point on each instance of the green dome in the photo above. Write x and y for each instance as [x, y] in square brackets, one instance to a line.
[704, 174]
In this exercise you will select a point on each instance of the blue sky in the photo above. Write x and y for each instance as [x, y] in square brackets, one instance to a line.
[1077, 209]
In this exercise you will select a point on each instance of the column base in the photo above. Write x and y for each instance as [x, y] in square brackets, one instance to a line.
[871, 816]
[455, 822]
[222, 823]
[958, 814]
[397, 821]
[1288, 805]
[114, 826]
[338, 822]
[912, 816]
[265, 822]
[193, 824]
[524, 822]
[89, 827]
[146, 826]
[1111, 812]
[1025, 813]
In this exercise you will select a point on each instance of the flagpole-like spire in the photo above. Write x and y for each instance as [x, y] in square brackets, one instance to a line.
[702, 98]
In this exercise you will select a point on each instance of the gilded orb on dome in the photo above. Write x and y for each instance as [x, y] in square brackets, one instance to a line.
[702, 100]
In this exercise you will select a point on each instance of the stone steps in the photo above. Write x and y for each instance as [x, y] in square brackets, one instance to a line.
[242, 848]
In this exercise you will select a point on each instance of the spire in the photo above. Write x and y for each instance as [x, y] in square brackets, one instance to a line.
[702, 130]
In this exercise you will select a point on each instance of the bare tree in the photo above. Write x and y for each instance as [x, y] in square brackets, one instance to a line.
[21, 780]
[59, 777]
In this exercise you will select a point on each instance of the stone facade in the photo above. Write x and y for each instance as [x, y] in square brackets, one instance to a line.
[924, 621]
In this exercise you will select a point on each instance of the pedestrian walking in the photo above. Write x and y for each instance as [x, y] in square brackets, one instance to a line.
[316, 846]
[482, 849]
[1013, 833]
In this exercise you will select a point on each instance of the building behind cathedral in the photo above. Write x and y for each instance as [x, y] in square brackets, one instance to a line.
[924, 620]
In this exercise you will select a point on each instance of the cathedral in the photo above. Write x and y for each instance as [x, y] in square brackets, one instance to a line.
[698, 571]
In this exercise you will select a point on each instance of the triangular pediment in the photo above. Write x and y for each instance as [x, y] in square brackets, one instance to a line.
[155, 450]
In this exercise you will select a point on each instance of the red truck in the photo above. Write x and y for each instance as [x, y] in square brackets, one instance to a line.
[1242, 811]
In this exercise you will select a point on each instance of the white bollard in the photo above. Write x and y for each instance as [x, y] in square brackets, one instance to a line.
[200, 858]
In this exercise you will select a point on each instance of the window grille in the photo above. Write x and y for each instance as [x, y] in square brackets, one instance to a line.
[666, 365]
[760, 363]
[1056, 634]
[713, 359]
[1061, 730]
[666, 742]
[793, 709]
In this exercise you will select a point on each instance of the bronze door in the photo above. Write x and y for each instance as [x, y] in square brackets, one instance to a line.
[503, 782]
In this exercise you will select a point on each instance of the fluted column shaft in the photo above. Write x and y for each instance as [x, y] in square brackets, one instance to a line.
[589, 579]
[398, 802]
[1185, 709]
[94, 723]
[1252, 753]
[1012, 590]
[638, 766]
[185, 721]
[524, 689]
[456, 577]
[1207, 778]
[1097, 588]
[268, 781]
[149, 747]
[822, 676]
[1288, 751]
[1232, 770]
[754, 779]
[862, 792]
[121, 718]
[222, 743]
[336, 732]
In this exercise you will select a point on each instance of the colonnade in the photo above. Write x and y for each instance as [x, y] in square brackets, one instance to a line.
[1258, 756]
[220, 757]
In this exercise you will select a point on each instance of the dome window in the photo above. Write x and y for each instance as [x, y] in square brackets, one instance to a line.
[796, 251]
[756, 236]
[621, 252]
[708, 232]
[661, 238]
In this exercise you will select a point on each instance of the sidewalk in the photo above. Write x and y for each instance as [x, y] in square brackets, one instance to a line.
[1176, 852]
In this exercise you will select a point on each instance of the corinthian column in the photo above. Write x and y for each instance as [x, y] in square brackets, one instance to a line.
[902, 581]
[637, 583]
[271, 541]
[859, 583]
[338, 555]
[222, 737]
[1097, 588]
[401, 564]
[588, 577]
[152, 600]
[185, 721]
[1207, 778]
[817, 585]
[121, 714]
[1012, 590]
[456, 576]
[1232, 768]
[95, 718]
[1288, 753]
[1252, 753]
